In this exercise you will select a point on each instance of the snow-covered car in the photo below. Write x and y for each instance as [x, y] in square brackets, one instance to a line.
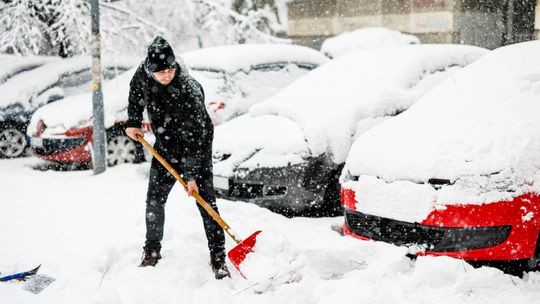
[234, 78]
[365, 38]
[13, 65]
[458, 173]
[25, 92]
[287, 152]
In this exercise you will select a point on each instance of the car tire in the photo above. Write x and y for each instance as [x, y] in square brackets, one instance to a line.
[121, 149]
[13, 141]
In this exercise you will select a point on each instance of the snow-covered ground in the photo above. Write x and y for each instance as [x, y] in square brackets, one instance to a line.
[87, 231]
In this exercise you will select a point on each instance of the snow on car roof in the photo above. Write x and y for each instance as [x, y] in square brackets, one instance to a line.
[479, 130]
[12, 64]
[21, 88]
[365, 38]
[328, 102]
[232, 58]
[481, 121]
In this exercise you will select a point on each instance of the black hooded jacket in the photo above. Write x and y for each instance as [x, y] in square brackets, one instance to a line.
[178, 117]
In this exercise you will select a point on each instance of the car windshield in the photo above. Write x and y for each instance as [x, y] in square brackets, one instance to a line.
[264, 81]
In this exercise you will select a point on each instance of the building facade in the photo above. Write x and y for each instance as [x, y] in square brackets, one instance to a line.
[486, 23]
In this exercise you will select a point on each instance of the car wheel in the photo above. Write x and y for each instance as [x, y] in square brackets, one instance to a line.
[12, 142]
[121, 149]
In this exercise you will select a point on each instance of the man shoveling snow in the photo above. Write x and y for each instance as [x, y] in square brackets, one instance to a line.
[184, 133]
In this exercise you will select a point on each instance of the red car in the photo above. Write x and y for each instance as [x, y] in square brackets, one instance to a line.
[458, 173]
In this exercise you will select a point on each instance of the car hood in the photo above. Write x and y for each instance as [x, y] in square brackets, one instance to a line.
[246, 143]
[481, 122]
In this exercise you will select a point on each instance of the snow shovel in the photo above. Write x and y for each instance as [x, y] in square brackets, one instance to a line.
[243, 247]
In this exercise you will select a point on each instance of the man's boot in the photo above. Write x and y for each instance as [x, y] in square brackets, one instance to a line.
[219, 266]
[150, 256]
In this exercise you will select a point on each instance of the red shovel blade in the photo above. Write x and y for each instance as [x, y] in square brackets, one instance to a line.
[240, 251]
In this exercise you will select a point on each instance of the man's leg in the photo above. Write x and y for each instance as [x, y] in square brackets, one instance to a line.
[159, 186]
[214, 232]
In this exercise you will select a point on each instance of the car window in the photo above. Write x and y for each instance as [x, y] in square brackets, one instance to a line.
[72, 83]
[78, 82]
[217, 85]
[264, 81]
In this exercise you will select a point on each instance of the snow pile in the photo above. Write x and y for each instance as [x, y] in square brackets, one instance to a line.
[244, 57]
[329, 102]
[479, 130]
[365, 38]
[92, 243]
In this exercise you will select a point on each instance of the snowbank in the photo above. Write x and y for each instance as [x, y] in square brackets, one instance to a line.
[365, 38]
[92, 243]
[479, 130]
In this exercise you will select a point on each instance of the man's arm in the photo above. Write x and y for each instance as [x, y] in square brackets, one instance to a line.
[198, 133]
[137, 101]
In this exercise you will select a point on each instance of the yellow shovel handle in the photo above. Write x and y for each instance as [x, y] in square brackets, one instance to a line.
[196, 195]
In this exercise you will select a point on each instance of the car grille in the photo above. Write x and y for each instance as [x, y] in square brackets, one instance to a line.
[392, 231]
[246, 191]
[58, 145]
[435, 239]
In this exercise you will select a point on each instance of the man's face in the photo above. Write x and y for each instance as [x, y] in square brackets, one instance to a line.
[165, 76]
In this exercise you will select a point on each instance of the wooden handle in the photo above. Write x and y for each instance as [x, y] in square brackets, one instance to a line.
[196, 195]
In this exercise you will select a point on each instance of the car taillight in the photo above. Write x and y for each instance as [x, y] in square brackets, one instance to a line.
[86, 132]
[216, 105]
[146, 127]
[40, 128]
[348, 199]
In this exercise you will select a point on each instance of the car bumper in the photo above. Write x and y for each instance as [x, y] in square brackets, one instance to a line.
[64, 149]
[505, 230]
[280, 189]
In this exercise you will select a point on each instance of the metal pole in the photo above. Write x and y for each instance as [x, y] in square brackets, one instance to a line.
[98, 157]
[510, 25]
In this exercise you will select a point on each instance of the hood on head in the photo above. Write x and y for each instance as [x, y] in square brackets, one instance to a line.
[160, 55]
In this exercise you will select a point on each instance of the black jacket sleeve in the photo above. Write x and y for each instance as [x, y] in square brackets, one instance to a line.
[137, 100]
[198, 133]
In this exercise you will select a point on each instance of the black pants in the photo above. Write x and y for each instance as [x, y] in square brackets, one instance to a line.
[159, 187]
